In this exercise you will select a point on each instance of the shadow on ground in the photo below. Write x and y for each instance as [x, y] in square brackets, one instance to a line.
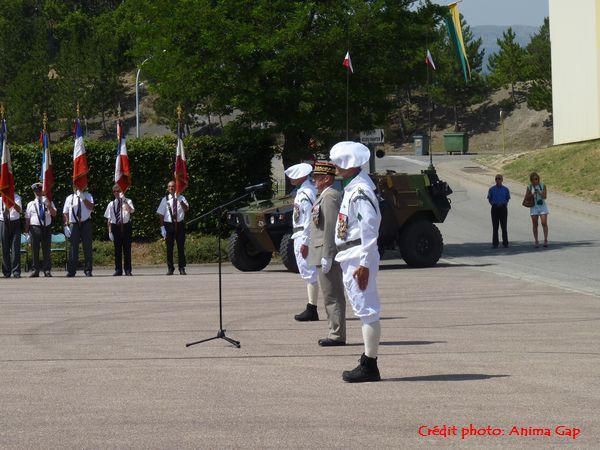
[449, 377]
[514, 248]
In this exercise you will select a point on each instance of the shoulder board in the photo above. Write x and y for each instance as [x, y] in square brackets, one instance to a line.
[362, 195]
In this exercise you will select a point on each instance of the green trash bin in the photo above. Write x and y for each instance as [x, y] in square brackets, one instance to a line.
[456, 143]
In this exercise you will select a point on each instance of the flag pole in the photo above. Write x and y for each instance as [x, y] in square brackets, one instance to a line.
[429, 114]
[347, 79]
[44, 128]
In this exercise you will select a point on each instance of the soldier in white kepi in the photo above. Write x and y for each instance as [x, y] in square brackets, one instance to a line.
[356, 235]
[303, 203]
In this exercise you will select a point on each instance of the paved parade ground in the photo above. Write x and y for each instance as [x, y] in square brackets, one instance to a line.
[101, 363]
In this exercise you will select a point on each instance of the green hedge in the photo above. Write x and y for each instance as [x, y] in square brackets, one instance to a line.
[218, 167]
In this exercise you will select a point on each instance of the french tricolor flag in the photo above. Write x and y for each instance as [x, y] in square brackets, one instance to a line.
[348, 62]
[7, 181]
[122, 171]
[47, 169]
[181, 173]
[80, 165]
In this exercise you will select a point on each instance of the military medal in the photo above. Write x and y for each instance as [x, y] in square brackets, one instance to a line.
[296, 212]
[342, 227]
[315, 214]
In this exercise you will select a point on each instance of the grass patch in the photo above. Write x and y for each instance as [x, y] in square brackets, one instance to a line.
[199, 249]
[570, 168]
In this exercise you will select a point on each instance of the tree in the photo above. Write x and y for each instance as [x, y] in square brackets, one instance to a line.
[277, 62]
[448, 86]
[24, 83]
[539, 70]
[507, 66]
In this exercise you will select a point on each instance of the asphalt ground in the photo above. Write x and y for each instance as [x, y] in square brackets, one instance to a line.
[102, 363]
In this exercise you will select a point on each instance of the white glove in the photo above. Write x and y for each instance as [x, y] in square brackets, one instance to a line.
[121, 195]
[28, 237]
[67, 231]
[111, 236]
[78, 193]
[326, 264]
[163, 232]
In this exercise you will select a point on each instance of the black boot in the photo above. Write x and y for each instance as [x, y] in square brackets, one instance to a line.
[366, 371]
[308, 315]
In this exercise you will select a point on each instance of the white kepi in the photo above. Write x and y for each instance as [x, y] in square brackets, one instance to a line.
[298, 171]
[348, 154]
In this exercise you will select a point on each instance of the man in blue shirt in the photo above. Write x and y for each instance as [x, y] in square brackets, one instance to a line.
[499, 196]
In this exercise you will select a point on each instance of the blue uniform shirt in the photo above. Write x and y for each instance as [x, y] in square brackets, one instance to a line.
[498, 195]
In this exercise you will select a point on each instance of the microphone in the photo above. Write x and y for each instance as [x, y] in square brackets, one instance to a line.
[256, 187]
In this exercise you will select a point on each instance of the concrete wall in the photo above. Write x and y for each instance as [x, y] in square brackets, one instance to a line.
[575, 40]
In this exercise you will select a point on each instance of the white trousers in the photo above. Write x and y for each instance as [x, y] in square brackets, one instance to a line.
[307, 272]
[365, 304]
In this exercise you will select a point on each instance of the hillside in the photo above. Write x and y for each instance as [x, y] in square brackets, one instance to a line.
[524, 128]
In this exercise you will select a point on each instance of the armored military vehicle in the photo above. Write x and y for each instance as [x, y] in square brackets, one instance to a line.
[411, 205]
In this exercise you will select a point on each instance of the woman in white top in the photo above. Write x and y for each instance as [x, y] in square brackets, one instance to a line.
[539, 210]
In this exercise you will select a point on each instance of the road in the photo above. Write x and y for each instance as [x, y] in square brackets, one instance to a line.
[572, 258]
[101, 362]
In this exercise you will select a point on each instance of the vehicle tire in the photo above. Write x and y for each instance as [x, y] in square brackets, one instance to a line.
[244, 256]
[421, 244]
[286, 251]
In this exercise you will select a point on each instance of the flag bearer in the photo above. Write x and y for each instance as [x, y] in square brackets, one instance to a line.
[77, 213]
[38, 224]
[118, 218]
[10, 232]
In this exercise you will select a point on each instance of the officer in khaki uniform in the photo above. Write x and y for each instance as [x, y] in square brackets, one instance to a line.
[322, 251]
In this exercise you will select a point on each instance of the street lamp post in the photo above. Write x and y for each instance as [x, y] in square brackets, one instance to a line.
[137, 98]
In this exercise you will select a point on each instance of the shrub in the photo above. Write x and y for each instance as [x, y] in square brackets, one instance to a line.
[219, 168]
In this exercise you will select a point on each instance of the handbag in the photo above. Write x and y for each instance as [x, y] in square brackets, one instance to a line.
[528, 201]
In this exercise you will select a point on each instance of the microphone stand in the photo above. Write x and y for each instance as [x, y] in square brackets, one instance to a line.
[219, 209]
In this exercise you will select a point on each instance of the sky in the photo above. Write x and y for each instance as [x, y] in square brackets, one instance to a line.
[502, 12]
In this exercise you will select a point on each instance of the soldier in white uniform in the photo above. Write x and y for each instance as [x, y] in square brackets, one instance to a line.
[38, 223]
[356, 238]
[303, 203]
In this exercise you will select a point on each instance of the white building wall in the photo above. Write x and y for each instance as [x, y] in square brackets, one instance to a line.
[574, 37]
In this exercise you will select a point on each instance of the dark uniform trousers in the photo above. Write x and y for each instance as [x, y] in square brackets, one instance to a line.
[499, 218]
[122, 243]
[80, 231]
[175, 234]
[41, 236]
[10, 234]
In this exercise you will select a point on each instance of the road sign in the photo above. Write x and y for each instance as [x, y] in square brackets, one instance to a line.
[372, 137]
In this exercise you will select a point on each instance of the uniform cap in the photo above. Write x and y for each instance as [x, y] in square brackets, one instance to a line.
[349, 154]
[324, 168]
[37, 186]
[298, 170]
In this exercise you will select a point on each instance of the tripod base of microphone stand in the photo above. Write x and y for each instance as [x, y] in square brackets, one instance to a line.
[220, 335]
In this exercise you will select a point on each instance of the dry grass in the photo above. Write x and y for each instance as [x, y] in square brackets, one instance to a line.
[572, 168]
